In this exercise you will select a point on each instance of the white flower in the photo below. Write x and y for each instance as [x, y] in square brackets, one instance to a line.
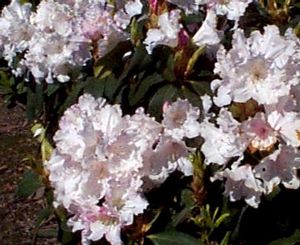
[233, 9]
[256, 67]
[287, 125]
[166, 33]
[100, 164]
[169, 155]
[280, 167]
[16, 30]
[189, 6]
[223, 142]
[242, 184]
[180, 120]
[130, 9]
[53, 17]
[207, 33]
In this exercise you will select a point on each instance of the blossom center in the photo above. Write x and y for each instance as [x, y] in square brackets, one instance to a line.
[257, 69]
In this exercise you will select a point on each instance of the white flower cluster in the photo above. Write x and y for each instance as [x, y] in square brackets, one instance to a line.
[169, 29]
[61, 34]
[103, 162]
[259, 78]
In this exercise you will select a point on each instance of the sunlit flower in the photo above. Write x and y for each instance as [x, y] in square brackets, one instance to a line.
[166, 33]
[102, 160]
[16, 29]
[222, 142]
[279, 167]
[207, 34]
[256, 67]
[241, 184]
[180, 119]
[233, 9]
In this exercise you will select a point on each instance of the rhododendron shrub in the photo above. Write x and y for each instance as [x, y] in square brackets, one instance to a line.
[158, 120]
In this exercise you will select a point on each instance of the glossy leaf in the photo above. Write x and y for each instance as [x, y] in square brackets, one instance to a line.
[137, 94]
[173, 238]
[167, 93]
[29, 184]
[291, 240]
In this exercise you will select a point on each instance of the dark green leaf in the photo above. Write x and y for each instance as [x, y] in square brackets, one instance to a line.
[52, 88]
[291, 240]
[193, 98]
[135, 95]
[95, 87]
[168, 72]
[112, 85]
[139, 60]
[201, 87]
[29, 184]
[72, 97]
[173, 238]
[5, 83]
[47, 233]
[166, 93]
[43, 215]
[34, 106]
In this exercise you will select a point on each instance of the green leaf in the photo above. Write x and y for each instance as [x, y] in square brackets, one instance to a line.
[200, 87]
[112, 85]
[46, 149]
[220, 220]
[29, 184]
[191, 96]
[72, 97]
[138, 61]
[5, 83]
[192, 61]
[173, 238]
[226, 239]
[291, 240]
[52, 88]
[47, 233]
[168, 72]
[165, 93]
[135, 95]
[34, 106]
[94, 87]
[43, 215]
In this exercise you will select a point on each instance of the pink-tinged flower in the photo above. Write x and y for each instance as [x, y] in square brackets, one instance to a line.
[180, 119]
[101, 161]
[287, 125]
[222, 142]
[259, 133]
[125, 10]
[256, 67]
[167, 32]
[167, 156]
[279, 167]
[241, 184]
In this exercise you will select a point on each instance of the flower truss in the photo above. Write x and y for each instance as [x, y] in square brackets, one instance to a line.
[260, 75]
[103, 162]
[59, 35]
